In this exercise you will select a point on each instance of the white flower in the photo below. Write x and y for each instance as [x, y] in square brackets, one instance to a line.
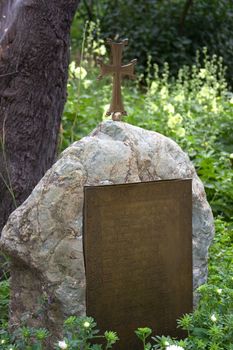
[62, 344]
[213, 318]
[169, 108]
[164, 93]
[78, 72]
[153, 107]
[180, 132]
[154, 87]
[3, 341]
[206, 92]
[219, 291]
[86, 324]
[214, 106]
[101, 50]
[202, 73]
[231, 157]
[180, 97]
[174, 347]
[173, 120]
[87, 83]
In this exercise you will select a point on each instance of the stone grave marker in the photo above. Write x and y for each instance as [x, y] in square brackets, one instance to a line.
[138, 257]
[43, 236]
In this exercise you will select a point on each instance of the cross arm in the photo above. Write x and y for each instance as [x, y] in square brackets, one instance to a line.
[105, 69]
[128, 69]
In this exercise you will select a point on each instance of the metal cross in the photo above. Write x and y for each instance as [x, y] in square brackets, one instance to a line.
[117, 108]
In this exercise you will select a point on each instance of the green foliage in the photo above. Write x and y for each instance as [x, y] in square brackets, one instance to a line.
[162, 29]
[24, 338]
[221, 256]
[211, 324]
[84, 98]
[4, 301]
[79, 333]
[84, 92]
[196, 111]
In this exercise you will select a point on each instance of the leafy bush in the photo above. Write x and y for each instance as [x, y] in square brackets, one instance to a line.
[164, 28]
[196, 111]
[79, 333]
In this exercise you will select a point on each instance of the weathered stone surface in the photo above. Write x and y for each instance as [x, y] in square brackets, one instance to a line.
[44, 235]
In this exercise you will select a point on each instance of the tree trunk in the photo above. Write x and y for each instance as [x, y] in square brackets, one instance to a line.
[187, 7]
[34, 54]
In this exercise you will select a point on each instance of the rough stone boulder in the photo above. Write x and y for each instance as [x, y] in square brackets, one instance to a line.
[44, 235]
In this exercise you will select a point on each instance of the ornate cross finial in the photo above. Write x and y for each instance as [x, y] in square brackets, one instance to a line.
[116, 108]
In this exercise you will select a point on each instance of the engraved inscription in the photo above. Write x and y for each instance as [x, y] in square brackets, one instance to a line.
[137, 272]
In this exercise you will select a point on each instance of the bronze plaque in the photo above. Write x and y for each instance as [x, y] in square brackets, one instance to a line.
[138, 257]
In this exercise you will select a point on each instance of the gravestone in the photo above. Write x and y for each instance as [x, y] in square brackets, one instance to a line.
[43, 236]
[138, 257]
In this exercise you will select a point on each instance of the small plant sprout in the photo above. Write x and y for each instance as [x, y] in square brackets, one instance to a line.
[111, 338]
[25, 331]
[41, 334]
[143, 334]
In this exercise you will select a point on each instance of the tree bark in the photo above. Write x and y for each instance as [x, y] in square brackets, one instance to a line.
[187, 6]
[34, 55]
